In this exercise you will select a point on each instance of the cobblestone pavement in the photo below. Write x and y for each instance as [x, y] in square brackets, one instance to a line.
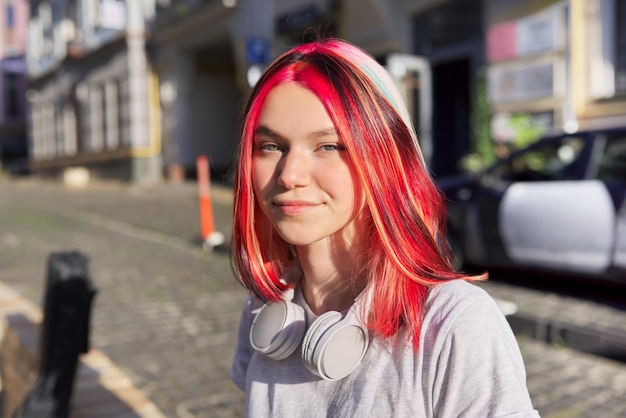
[167, 311]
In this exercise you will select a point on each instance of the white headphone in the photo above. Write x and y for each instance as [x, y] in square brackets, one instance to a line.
[332, 347]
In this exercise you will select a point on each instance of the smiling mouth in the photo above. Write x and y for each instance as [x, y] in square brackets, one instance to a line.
[293, 208]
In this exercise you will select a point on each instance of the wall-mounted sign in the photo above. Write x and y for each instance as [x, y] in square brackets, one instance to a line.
[257, 50]
[502, 42]
[13, 65]
[112, 14]
[523, 81]
[530, 35]
[538, 33]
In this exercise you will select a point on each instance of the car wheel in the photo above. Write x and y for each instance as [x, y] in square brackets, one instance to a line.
[457, 255]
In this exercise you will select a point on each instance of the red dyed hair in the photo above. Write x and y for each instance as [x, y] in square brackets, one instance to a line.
[406, 247]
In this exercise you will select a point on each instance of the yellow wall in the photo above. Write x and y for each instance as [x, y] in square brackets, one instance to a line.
[585, 107]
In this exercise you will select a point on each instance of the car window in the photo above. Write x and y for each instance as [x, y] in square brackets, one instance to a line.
[550, 161]
[612, 164]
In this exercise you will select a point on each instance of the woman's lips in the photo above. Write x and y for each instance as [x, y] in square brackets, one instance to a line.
[294, 207]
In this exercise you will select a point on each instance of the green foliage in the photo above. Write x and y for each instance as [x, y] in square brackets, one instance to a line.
[483, 149]
[482, 146]
[525, 129]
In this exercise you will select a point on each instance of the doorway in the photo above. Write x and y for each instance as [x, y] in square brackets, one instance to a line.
[451, 116]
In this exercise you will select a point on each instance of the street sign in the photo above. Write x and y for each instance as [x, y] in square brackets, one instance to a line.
[257, 50]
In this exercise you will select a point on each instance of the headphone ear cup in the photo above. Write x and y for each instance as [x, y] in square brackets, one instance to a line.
[333, 347]
[277, 329]
[312, 337]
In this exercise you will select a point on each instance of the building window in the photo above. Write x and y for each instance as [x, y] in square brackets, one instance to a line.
[80, 103]
[620, 47]
[35, 38]
[45, 16]
[69, 129]
[123, 100]
[50, 131]
[10, 16]
[35, 148]
[83, 112]
[111, 115]
[607, 47]
[65, 141]
[96, 120]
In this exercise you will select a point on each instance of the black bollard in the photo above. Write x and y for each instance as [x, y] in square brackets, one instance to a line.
[64, 335]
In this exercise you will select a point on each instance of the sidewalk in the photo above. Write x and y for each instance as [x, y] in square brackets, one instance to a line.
[166, 311]
[168, 214]
[150, 269]
[101, 388]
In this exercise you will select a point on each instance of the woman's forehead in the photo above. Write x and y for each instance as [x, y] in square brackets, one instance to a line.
[293, 110]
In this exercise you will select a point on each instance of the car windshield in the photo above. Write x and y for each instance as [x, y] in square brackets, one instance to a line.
[552, 160]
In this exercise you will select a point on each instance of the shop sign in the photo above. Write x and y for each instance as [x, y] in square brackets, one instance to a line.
[257, 50]
[502, 42]
[531, 35]
[521, 82]
[112, 14]
[537, 33]
[13, 65]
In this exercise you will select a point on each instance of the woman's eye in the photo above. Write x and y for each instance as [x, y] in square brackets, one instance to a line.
[269, 147]
[331, 147]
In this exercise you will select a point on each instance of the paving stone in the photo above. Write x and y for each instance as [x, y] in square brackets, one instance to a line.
[166, 312]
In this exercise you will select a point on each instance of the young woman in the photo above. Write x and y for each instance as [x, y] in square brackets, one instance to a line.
[338, 234]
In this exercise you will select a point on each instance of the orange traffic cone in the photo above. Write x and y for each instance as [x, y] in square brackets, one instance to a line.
[210, 237]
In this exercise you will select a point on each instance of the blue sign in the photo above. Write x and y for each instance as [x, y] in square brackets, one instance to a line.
[257, 50]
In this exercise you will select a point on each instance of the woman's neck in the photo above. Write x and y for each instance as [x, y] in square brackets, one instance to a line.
[331, 279]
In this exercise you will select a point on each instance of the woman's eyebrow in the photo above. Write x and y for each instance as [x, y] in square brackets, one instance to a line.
[265, 131]
[324, 132]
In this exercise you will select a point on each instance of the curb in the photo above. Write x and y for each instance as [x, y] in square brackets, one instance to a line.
[563, 321]
[600, 342]
[100, 387]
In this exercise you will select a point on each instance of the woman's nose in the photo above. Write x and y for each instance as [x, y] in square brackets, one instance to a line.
[294, 170]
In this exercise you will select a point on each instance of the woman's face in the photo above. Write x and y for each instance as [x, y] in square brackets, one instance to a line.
[301, 173]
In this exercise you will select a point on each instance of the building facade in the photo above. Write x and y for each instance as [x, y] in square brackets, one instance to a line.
[562, 63]
[93, 95]
[209, 52]
[13, 107]
[139, 90]
[598, 30]
[201, 84]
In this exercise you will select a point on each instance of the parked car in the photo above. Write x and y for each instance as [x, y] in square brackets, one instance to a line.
[558, 205]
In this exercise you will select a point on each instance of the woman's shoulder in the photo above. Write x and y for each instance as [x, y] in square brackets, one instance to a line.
[456, 292]
[462, 314]
[455, 299]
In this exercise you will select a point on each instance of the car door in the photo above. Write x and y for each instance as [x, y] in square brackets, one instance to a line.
[551, 216]
[527, 166]
[611, 169]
